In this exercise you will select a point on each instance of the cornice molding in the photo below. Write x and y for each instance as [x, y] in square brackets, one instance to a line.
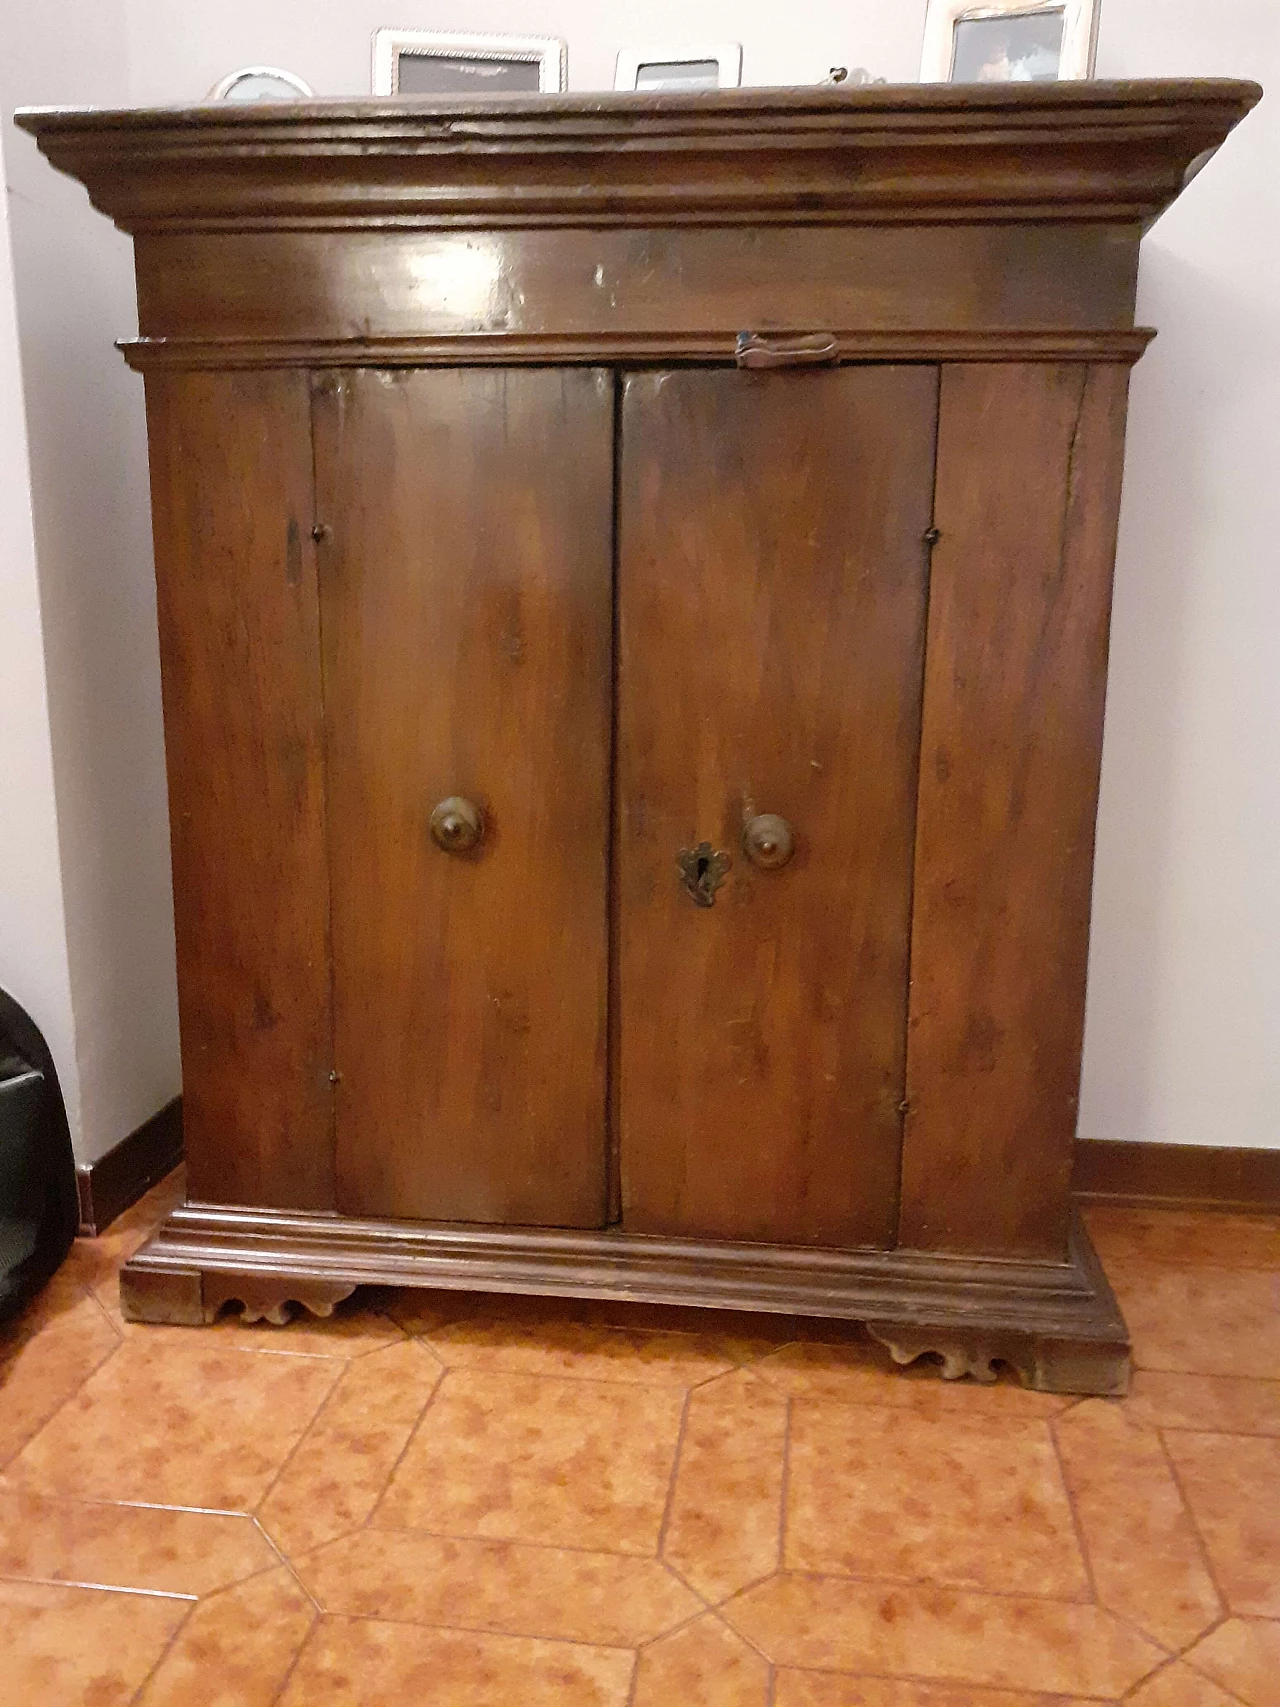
[1116, 152]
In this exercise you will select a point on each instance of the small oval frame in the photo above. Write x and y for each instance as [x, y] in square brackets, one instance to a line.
[221, 91]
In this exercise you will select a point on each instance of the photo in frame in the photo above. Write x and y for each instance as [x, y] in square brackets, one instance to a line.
[439, 62]
[681, 69]
[1009, 41]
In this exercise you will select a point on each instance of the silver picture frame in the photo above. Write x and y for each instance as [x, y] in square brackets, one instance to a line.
[1009, 41]
[444, 62]
[683, 67]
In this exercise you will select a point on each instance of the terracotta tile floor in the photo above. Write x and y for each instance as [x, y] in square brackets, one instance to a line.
[461, 1501]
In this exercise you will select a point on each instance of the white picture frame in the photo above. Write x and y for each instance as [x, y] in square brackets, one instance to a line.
[686, 67]
[261, 83]
[466, 64]
[963, 40]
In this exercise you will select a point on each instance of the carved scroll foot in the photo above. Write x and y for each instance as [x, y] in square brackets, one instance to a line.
[271, 1298]
[960, 1354]
[188, 1298]
[1048, 1364]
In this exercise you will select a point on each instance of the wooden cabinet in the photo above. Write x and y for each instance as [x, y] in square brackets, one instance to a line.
[634, 578]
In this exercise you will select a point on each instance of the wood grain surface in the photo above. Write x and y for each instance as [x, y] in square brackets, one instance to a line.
[467, 612]
[240, 658]
[370, 285]
[772, 572]
[1014, 688]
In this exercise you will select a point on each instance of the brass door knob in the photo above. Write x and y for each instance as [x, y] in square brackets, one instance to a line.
[767, 841]
[456, 825]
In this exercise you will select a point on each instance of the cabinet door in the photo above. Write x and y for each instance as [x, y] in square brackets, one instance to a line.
[466, 615]
[772, 588]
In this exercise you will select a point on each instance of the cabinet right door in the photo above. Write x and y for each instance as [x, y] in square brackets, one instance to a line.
[772, 585]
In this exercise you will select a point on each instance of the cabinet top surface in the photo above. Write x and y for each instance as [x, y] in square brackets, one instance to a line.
[1088, 150]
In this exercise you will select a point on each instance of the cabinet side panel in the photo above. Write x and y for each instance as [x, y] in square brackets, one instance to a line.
[240, 652]
[465, 584]
[1028, 488]
[772, 574]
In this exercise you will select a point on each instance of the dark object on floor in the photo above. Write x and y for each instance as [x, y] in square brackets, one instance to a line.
[38, 1211]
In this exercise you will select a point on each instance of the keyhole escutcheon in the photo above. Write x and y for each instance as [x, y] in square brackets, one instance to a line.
[702, 870]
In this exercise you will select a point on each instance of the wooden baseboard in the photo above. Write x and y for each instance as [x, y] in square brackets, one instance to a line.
[1176, 1176]
[1106, 1170]
[110, 1185]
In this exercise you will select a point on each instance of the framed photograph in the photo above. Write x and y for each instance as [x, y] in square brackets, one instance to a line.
[436, 62]
[1009, 41]
[680, 69]
[261, 83]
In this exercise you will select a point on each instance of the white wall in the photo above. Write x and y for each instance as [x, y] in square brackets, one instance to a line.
[1183, 1031]
[33, 936]
[87, 447]
[1184, 996]
[178, 50]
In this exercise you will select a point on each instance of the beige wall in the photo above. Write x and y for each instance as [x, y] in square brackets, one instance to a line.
[1184, 995]
[1183, 1034]
[33, 933]
[178, 51]
[88, 493]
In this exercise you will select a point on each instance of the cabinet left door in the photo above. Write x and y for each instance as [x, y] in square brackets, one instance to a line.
[465, 567]
[231, 498]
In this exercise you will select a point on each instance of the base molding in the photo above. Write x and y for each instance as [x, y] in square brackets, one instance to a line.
[1176, 1176]
[1057, 1324]
[116, 1181]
